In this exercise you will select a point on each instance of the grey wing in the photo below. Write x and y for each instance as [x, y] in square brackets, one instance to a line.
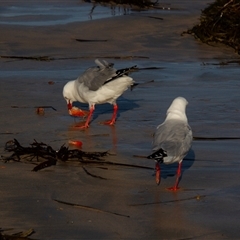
[174, 138]
[95, 77]
[188, 139]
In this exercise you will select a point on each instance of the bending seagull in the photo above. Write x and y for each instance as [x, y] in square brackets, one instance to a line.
[97, 85]
[172, 139]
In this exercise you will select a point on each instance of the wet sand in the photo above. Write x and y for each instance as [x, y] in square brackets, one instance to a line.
[127, 204]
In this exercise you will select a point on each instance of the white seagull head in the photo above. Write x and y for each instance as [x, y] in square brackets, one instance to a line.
[177, 110]
[68, 92]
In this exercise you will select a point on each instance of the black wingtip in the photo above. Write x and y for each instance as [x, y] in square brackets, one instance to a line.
[158, 155]
[125, 71]
[120, 73]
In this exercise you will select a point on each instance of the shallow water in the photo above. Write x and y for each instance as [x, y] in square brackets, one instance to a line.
[51, 14]
[184, 67]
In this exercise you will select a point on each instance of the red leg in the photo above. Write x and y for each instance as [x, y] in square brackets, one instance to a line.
[86, 125]
[158, 173]
[175, 187]
[114, 116]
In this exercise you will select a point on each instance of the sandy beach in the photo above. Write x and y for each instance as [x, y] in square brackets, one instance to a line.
[126, 203]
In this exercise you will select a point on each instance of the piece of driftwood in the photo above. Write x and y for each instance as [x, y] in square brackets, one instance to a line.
[36, 107]
[47, 58]
[219, 23]
[197, 197]
[37, 58]
[158, 18]
[215, 138]
[90, 40]
[90, 208]
[92, 175]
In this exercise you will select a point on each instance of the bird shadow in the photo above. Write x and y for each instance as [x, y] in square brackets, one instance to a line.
[124, 105]
[171, 169]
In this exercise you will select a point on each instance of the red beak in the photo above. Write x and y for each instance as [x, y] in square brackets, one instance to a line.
[69, 105]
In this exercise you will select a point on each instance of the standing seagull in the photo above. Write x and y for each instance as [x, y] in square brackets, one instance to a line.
[97, 85]
[172, 139]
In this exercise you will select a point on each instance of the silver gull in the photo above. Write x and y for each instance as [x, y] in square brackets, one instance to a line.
[97, 85]
[172, 139]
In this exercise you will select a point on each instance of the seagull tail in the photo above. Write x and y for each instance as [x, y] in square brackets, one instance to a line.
[103, 64]
[158, 155]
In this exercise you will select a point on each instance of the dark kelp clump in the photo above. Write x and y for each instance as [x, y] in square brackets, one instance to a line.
[24, 235]
[43, 155]
[220, 23]
[138, 3]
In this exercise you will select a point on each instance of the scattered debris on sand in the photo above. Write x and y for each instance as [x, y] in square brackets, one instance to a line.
[220, 23]
[45, 156]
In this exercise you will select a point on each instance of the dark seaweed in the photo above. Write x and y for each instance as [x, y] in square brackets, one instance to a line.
[45, 156]
[220, 23]
[39, 151]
